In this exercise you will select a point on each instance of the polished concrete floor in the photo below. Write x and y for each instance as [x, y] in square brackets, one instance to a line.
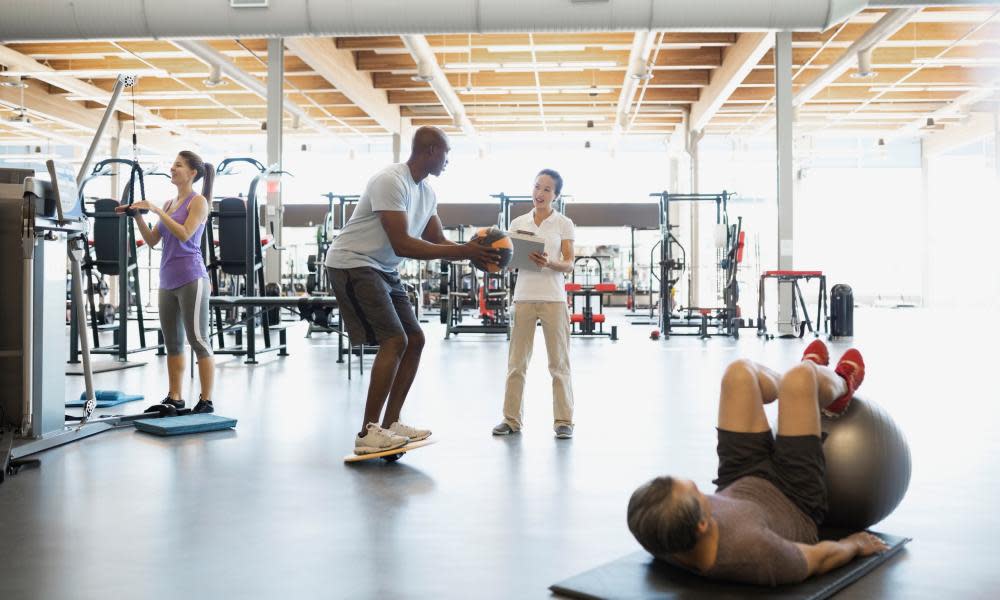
[270, 510]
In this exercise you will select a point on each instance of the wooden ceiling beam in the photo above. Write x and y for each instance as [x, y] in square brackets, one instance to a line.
[967, 76]
[52, 107]
[174, 66]
[740, 60]
[939, 34]
[306, 83]
[691, 78]
[884, 57]
[256, 113]
[680, 58]
[653, 96]
[847, 94]
[623, 40]
[326, 98]
[98, 49]
[338, 67]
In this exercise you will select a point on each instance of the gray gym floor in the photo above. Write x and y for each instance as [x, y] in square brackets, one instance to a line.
[270, 510]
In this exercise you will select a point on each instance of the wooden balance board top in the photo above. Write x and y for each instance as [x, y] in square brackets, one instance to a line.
[401, 450]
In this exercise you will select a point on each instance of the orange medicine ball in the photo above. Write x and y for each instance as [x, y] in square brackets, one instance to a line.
[493, 237]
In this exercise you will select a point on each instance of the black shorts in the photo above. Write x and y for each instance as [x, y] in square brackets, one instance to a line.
[373, 304]
[794, 464]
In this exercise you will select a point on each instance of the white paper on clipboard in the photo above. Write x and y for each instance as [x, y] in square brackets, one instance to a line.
[524, 245]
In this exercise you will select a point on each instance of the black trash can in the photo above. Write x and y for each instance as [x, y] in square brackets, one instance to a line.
[841, 312]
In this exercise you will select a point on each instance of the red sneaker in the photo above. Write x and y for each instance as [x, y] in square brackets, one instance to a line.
[851, 368]
[817, 353]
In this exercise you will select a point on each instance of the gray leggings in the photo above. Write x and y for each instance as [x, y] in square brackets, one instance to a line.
[186, 309]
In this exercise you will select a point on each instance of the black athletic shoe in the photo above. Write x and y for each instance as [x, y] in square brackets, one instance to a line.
[203, 406]
[178, 404]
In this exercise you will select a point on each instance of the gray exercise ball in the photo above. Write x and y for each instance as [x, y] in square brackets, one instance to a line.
[867, 466]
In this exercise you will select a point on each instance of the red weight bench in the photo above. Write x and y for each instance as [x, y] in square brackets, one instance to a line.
[588, 322]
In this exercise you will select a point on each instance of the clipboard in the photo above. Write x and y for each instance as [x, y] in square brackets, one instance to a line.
[524, 245]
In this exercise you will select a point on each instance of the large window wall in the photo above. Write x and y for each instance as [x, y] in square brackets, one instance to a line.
[963, 224]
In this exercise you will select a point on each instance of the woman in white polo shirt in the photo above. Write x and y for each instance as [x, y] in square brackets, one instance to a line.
[541, 296]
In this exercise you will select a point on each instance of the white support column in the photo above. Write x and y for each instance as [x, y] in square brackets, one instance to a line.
[925, 231]
[694, 253]
[786, 173]
[996, 142]
[397, 147]
[114, 152]
[275, 134]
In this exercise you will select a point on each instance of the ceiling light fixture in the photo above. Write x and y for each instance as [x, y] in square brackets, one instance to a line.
[956, 62]
[483, 91]
[539, 48]
[12, 82]
[425, 73]
[864, 65]
[641, 73]
[215, 77]
[590, 64]
[531, 69]
[473, 66]
[21, 119]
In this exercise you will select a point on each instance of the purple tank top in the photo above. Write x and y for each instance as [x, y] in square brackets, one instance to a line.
[181, 262]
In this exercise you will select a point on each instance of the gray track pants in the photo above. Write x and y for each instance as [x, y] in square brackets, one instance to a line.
[185, 309]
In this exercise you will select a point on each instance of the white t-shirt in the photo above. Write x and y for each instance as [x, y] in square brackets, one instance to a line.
[363, 241]
[545, 285]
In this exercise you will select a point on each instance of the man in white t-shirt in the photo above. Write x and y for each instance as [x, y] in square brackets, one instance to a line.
[396, 218]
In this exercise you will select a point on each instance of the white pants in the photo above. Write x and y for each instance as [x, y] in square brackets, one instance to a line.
[556, 329]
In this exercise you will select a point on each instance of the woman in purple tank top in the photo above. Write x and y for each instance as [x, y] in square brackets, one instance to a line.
[184, 286]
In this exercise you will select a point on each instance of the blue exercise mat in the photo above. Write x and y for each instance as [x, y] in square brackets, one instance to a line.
[105, 398]
[194, 423]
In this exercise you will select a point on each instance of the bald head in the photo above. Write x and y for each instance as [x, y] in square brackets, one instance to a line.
[427, 137]
[429, 151]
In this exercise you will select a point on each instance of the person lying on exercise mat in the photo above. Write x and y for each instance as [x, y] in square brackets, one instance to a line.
[396, 218]
[760, 525]
[184, 285]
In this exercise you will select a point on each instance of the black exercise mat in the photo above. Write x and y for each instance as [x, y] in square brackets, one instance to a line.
[639, 577]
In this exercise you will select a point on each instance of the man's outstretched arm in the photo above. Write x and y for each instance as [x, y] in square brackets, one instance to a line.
[828, 555]
[395, 225]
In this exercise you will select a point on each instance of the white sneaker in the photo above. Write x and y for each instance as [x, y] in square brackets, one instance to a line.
[378, 440]
[413, 433]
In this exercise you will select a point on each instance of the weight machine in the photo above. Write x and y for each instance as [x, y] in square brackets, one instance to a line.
[43, 222]
[705, 321]
[115, 254]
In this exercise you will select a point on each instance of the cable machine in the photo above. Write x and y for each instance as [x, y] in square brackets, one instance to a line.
[705, 321]
[115, 254]
[44, 222]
